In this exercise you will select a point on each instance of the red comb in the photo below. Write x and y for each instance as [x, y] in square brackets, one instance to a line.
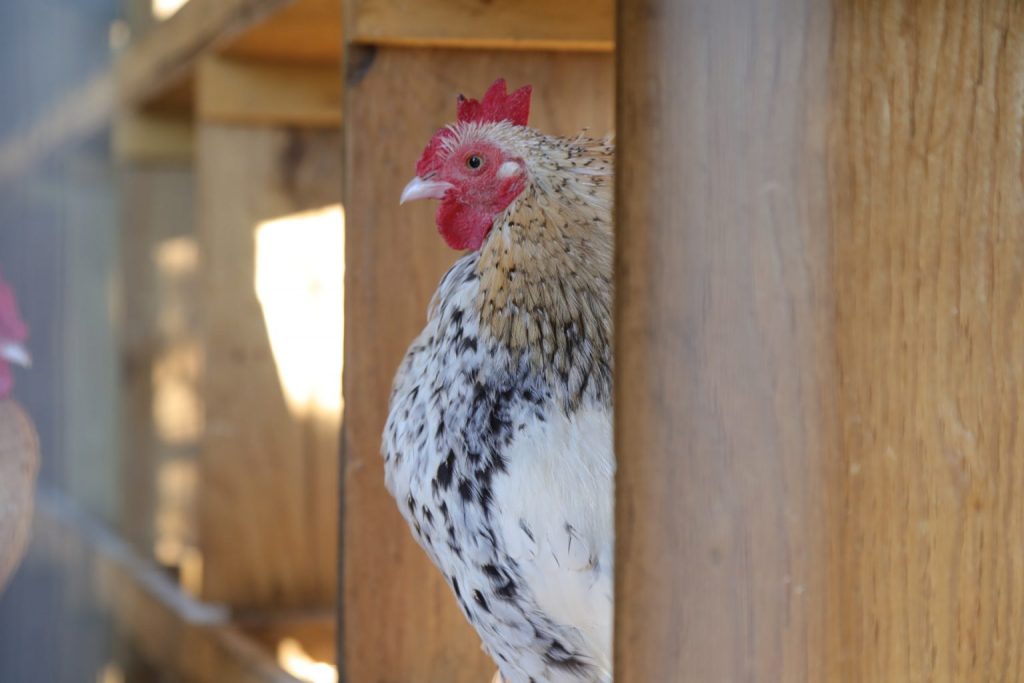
[497, 105]
[12, 327]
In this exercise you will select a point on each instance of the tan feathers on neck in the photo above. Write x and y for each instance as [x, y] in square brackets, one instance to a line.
[545, 269]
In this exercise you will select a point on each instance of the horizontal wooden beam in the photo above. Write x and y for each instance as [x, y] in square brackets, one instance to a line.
[81, 113]
[170, 629]
[152, 138]
[165, 56]
[249, 93]
[571, 25]
[158, 73]
[305, 31]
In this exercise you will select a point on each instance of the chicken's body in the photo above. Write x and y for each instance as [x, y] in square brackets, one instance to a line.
[19, 447]
[19, 463]
[498, 443]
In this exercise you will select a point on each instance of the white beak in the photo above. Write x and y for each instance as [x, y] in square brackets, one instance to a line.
[15, 353]
[418, 188]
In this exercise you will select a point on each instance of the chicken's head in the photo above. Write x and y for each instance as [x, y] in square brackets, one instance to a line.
[473, 167]
[13, 333]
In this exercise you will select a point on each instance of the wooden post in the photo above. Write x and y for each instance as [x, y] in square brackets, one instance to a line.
[161, 413]
[268, 211]
[819, 357]
[400, 620]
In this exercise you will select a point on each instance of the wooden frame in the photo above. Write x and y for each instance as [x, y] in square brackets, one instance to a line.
[819, 365]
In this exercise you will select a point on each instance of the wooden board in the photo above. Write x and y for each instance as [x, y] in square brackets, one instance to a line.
[165, 56]
[258, 93]
[723, 359]
[268, 511]
[927, 205]
[577, 25]
[82, 112]
[81, 194]
[161, 411]
[172, 632]
[819, 364]
[139, 138]
[303, 31]
[401, 622]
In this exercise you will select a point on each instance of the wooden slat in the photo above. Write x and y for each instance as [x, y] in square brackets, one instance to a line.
[79, 114]
[929, 308]
[305, 31]
[401, 622]
[157, 71]
[231, 91]
[161, 413]
[724, 425]
[576, 25]
[175, 633]
[141, 138]
[268, 511]
[819, 368]
[164, 57]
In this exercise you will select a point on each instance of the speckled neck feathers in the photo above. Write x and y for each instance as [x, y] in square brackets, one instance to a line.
[545, 269]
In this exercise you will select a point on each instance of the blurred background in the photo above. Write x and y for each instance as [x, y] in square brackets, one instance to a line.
[184, 302]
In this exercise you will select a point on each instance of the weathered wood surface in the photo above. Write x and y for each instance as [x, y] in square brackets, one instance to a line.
[269, 494]
[79, 114]
[400, 620]
[819, 363]
[152, 139]
[927, 205]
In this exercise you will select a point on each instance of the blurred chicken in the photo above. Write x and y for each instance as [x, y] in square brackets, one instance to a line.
[19, 447]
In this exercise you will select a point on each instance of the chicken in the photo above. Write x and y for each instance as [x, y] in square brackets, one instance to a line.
[19, 448]
[498, 444]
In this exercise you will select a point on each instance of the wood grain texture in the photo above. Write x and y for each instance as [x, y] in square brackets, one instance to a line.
[819, 365]
[928, 222]
[269, 495]
[19, 464]
[400, 620]
[80, 113]
[576, 25]
[723, 360]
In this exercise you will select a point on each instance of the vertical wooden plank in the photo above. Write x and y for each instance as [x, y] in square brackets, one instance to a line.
[268, 470]
[161, 412]
[400, 621]
[928, 217]
[725, 429]
[83, 198]
[819, 355]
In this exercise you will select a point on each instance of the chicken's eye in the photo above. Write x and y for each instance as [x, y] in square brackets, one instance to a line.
[474, 161]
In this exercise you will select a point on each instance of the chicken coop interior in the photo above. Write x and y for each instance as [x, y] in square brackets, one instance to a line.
[819, 331]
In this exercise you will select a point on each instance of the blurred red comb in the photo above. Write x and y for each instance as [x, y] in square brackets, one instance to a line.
[497, 105]
[12, 327]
